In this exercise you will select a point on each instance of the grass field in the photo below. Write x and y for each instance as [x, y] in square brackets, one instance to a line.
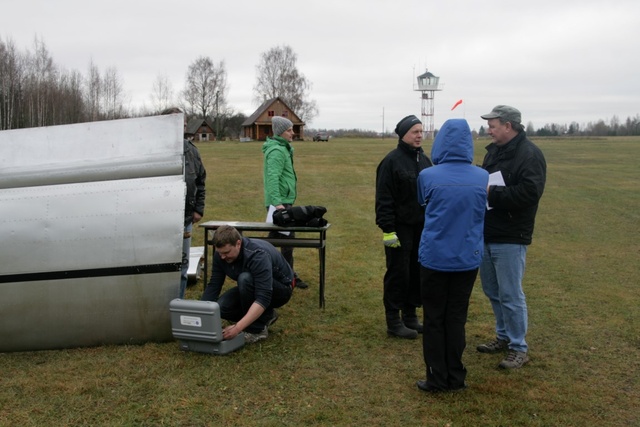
[337, 367]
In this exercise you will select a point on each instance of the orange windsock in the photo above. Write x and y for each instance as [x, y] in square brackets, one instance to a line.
[456, 104]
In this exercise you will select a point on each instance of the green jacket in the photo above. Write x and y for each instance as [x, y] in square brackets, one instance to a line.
[278, 173]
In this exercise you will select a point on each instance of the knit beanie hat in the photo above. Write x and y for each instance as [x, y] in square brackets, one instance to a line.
[280, 124]
[405, 124]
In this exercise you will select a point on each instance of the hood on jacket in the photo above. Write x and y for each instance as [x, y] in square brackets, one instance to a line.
[276, 141]
[453, 143]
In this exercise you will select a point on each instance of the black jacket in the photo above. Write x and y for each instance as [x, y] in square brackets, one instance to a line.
[261, 259]
[195, 176]
[397, 187]
[515, 205]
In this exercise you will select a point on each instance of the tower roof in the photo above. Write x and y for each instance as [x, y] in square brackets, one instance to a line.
[427, 74]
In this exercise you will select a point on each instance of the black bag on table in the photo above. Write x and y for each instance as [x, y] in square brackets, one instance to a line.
[302, 216]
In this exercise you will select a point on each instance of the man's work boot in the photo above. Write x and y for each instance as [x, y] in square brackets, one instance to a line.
[395, 327]
[410, 320]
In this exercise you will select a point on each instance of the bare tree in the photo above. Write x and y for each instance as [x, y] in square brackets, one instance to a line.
[41, 76]
[205, 87]
[93, 92]
[530, 129]
[113, 95]
[278, 75]
[70, 98]
[161, 93]
[11, 71]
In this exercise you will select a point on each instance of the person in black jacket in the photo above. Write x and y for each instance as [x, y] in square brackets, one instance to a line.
[401, 219]
[195, 176]
[508, 229]
[265, 282]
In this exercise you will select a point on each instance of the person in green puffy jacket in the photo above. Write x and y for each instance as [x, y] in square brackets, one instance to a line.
[280, 177]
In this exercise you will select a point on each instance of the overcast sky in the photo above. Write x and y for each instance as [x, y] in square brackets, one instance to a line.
[557, 61]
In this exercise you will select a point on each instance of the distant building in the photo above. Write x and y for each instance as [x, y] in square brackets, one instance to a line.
[258, 125]
[201, 130]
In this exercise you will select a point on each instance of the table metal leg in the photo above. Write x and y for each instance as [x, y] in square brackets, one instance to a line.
[322, 255]
[206, 259]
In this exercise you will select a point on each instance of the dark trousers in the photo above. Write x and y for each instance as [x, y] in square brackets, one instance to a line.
[235, 302]
[402, 278]
[287, 252]
[445, 300]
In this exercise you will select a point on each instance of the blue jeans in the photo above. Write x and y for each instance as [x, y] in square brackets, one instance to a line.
[186, 248]
[501, 272]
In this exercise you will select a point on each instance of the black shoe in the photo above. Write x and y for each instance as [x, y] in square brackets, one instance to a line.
[464, 387]
[300, 283]
[422, 385]
[412, 323]
[399, 330]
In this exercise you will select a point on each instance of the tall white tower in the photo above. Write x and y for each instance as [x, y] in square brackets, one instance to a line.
[428, 86]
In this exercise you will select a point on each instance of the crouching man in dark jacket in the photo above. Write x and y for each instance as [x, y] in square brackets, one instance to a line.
[265, 282]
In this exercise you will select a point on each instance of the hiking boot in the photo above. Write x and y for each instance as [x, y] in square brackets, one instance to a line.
[411, 321]
[300, 283]
[395, 327]
[424, 386]
[251, 338]
[273, 318]
[495, 346]
[514, 360]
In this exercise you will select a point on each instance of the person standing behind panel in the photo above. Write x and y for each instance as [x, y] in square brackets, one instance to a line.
[195, 176]
[400, 218]
[280, 180]
[508, 230]
[454, 193]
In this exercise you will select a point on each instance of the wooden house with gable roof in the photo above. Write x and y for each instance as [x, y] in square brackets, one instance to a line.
[258, 125]
[201, 130]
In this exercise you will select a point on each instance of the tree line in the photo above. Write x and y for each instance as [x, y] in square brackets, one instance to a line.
[35, 91]
[612, 127]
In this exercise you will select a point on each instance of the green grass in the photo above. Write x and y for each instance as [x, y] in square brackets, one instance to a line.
[337, 366]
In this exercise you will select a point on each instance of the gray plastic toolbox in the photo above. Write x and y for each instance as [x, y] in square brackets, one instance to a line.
[197, 327]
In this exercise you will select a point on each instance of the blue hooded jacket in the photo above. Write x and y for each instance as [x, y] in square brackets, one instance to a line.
[454, 193]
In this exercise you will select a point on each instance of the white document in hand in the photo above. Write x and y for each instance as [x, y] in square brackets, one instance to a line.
[269, 218]
[495, 179]
[270, 212]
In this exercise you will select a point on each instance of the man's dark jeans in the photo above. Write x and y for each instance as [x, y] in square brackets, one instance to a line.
[235, 302]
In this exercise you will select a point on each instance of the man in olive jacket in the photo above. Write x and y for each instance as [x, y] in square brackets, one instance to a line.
[280, 179]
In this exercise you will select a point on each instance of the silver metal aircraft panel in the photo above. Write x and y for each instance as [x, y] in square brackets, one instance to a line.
[105, 224]
[86, 312]
[83, 143]
[91, 224]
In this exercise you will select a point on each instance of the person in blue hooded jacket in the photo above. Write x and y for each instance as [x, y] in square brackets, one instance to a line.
[454, 193]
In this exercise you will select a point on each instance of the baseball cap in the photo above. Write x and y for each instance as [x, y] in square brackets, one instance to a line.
[504, 112]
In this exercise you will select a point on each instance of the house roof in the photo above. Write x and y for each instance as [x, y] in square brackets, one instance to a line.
[194, 124]
[265, 105]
